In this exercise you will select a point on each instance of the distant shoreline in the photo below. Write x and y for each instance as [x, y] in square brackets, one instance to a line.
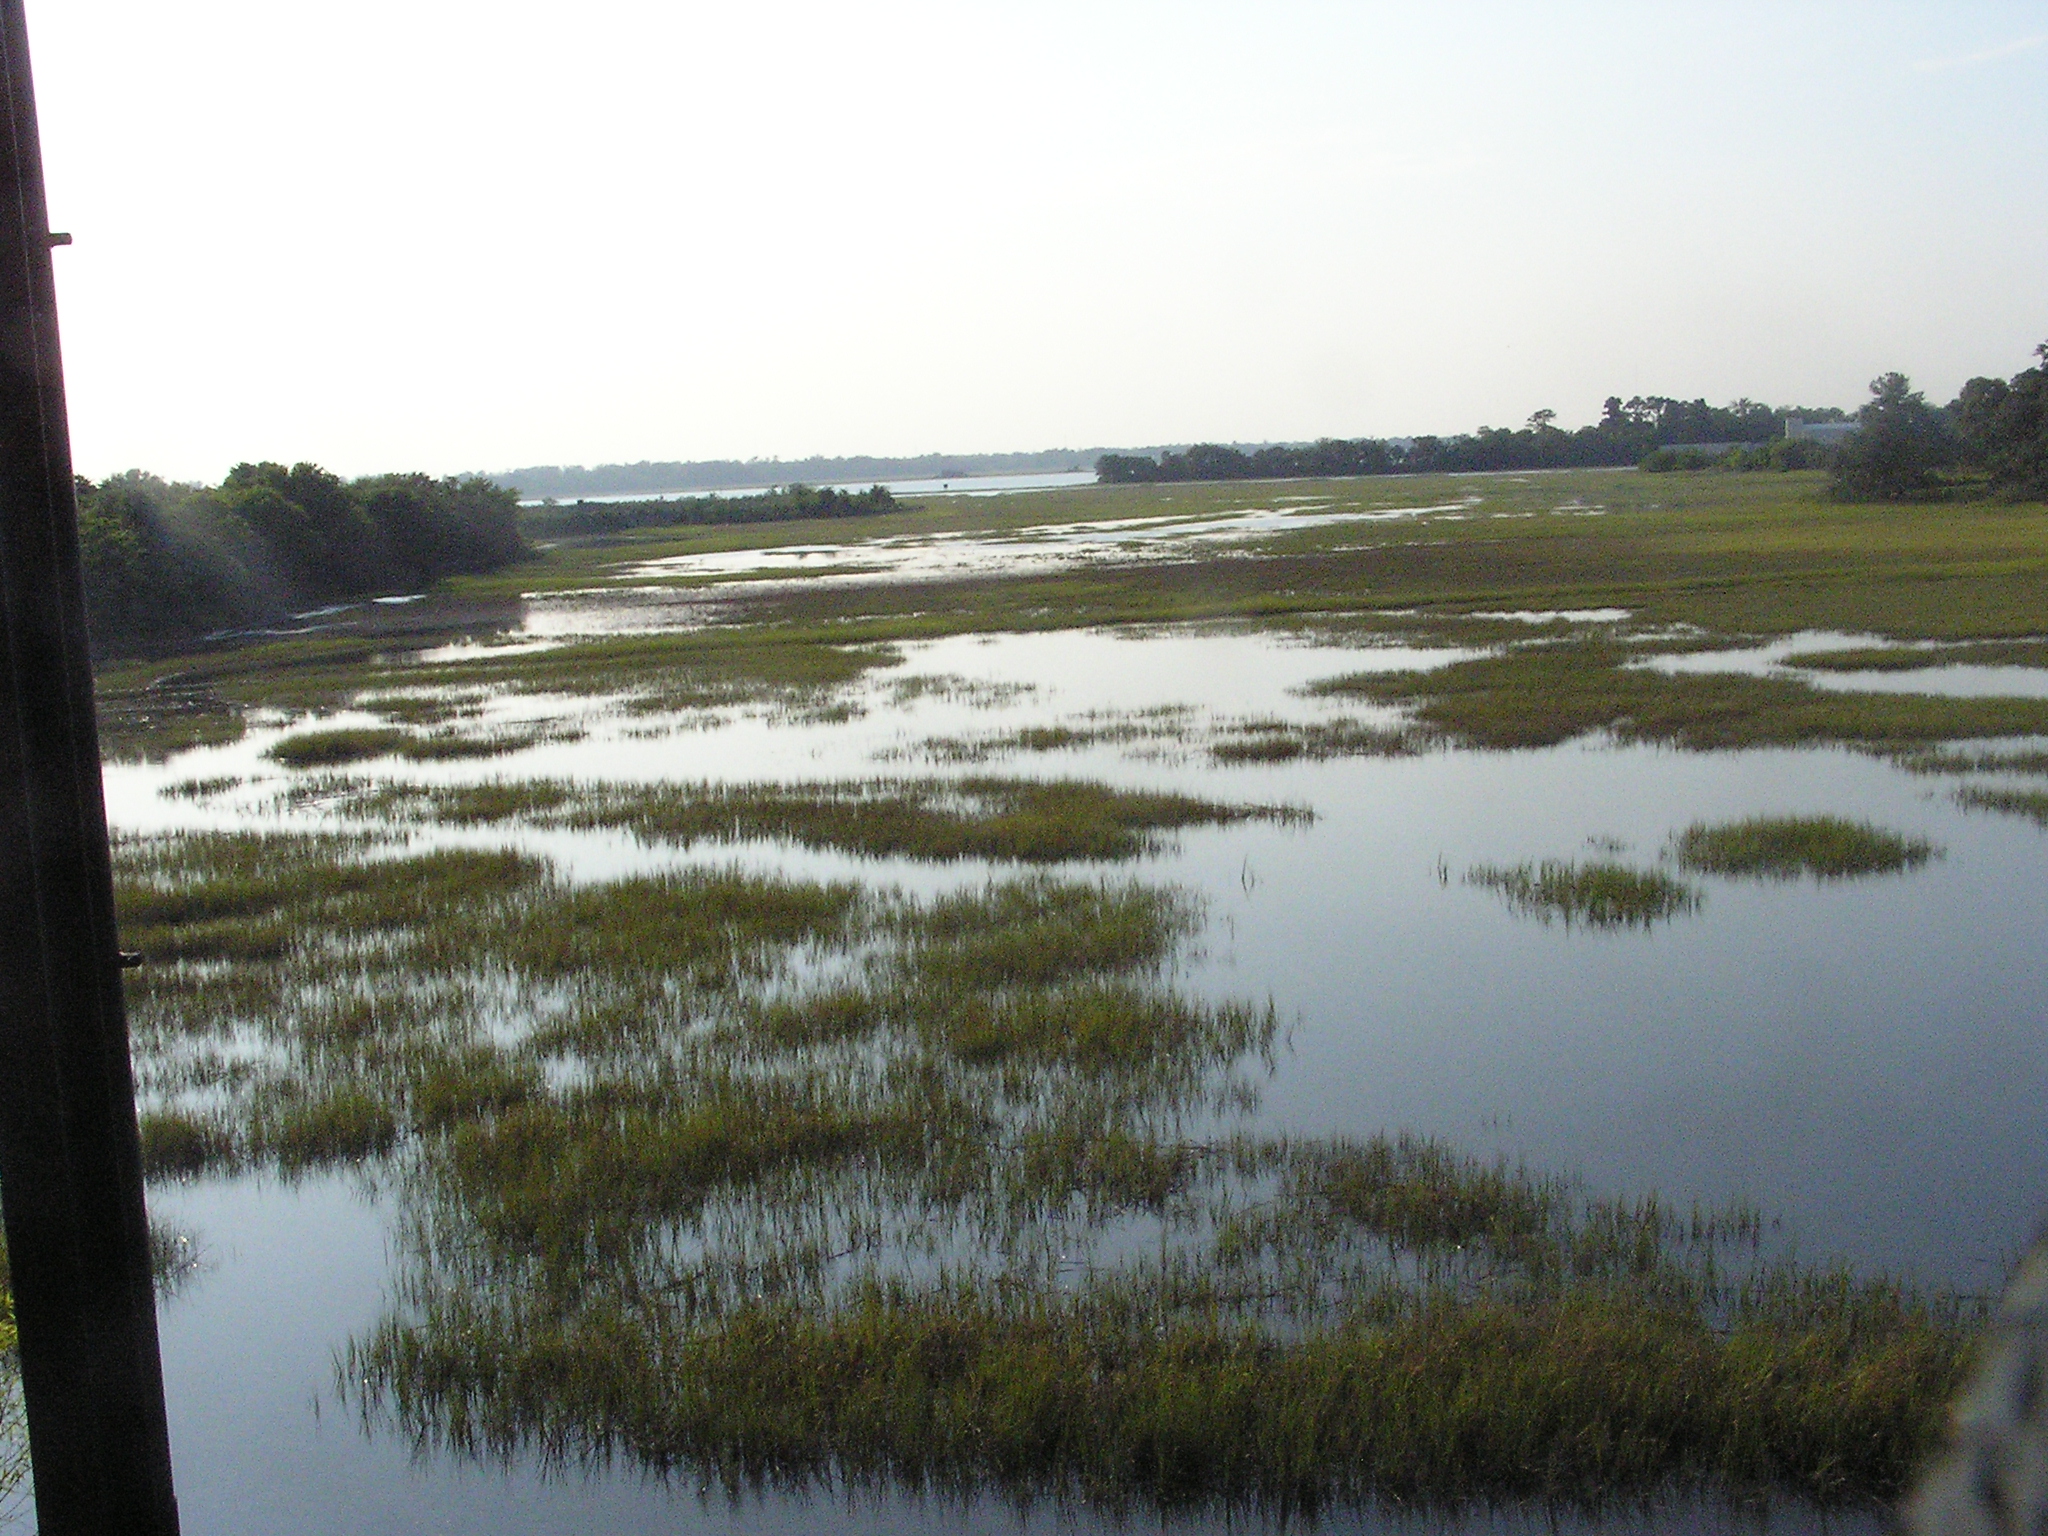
[703, 477]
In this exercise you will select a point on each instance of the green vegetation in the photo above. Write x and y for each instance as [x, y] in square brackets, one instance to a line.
[165, 564]
[1626, 433]
[1995, 433]
[1038, 821]
[1114, 1397]
[1279, 741]
[1993, 436]
[1780, 455]
[162, 718]
[772, 1179]
[2030, 803]
[340, 745]
[1734, 558]
[1986, 653]
[173, 1260]
[332, 748]
[784, 504]
[1786, 847]
[202, 789]
[1872, 658]
[1949, 760]
[2004, 428]
[1900, 449]
[14, 1462]
[1543, 695]
[757, 1177]
[1592, 895]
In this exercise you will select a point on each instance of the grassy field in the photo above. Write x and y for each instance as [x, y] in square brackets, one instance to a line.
[1694, 560]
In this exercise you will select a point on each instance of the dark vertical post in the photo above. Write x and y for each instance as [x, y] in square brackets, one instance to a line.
[70, 1161]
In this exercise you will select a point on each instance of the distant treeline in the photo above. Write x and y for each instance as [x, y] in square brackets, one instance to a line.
[166, 564]
[785, 504]
[649, 478]
[1627, 432]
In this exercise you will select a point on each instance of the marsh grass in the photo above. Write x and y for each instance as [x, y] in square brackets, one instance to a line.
[174, 1259]
[1725, 561]
[1028, 820]
[1541, 695]
[691, 670]
[202, 789]
[337, 746]
[1030, 738]
[1597, 894]
[424, 706]
[14, 1459]
[340, 746]
[160, 719]
[1279, 741]
[1786, 847]
[771, 1179]
[1168, 724]
[1392, 1322]
[2029, 803]
[1936, 761]
[1982, 653]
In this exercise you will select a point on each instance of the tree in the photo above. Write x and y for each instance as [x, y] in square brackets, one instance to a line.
[2004, 428]
[1899, 448]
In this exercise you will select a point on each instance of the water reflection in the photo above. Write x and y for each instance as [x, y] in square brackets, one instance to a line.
[1864, 1059]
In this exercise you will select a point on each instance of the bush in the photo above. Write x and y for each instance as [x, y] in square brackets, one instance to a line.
[2004, 428]
[1899, 449]
[168, 564]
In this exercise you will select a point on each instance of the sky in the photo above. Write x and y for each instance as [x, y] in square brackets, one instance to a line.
[456, 235]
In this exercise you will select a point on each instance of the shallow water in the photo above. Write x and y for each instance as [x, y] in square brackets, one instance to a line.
[1021, 551]
[260, 1446]
[1861, 1058]
[1948, 679]
[954, 485]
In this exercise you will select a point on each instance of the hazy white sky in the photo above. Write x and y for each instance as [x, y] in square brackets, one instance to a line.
[448, 234]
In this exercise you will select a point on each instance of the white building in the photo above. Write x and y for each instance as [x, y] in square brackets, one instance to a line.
[1828, 434]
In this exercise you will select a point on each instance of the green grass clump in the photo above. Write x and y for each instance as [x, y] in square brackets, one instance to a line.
[1279, 741]
[2024, 653]
[176, 1144]
[343, 1126]
[2030, 803]
[333, 748]
[202, 789]
[427, 707]
[1591, 895]
[1029, 820]
[353, 744]
[1786, 847]
[1936, 760]
[1539, 696]
[158, 720]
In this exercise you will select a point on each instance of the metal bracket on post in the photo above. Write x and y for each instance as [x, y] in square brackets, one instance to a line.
[70, 1159]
